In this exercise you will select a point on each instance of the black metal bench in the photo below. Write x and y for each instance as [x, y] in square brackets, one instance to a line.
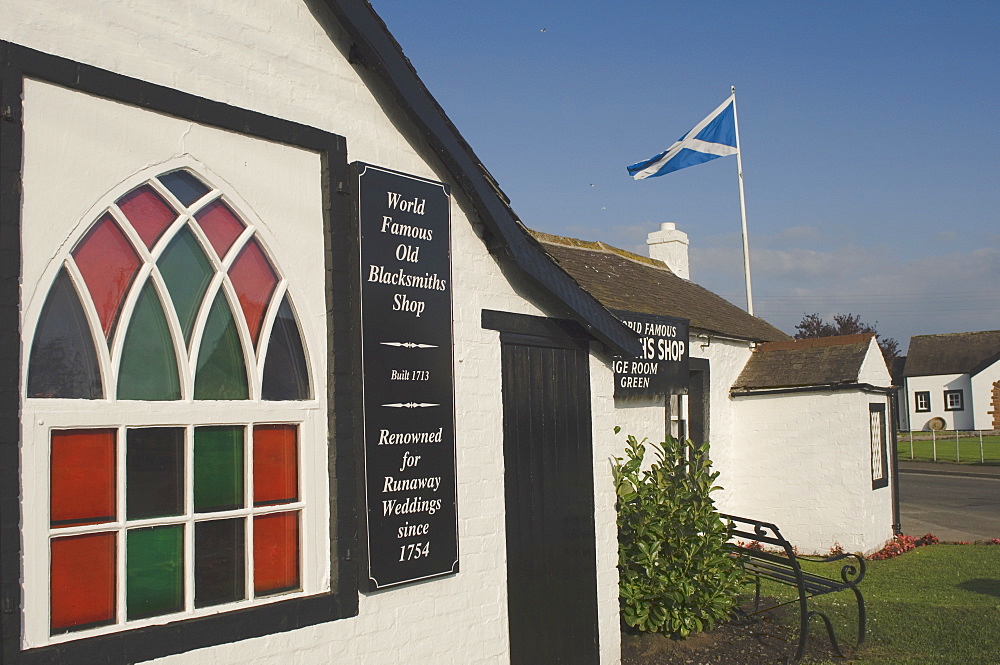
[783, 567]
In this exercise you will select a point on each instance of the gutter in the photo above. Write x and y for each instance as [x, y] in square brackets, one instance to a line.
[706, 336]
[822, 388]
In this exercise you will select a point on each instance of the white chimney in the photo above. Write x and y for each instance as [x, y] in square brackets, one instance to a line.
[670, 246]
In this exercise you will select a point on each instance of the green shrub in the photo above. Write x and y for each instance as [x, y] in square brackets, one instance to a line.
[675, 574]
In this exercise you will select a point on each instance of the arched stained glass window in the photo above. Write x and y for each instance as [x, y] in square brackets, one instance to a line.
[181, 484]
[156, 268]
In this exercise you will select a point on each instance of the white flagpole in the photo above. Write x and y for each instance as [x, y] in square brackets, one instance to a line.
[743, 208]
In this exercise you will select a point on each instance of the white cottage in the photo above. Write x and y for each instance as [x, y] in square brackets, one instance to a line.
[233, 434]
[801, 430]
[953, 381]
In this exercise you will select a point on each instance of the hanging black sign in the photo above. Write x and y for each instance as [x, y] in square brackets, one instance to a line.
[663, 367]
[406, 340]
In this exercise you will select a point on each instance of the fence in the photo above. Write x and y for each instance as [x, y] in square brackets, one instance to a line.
[962, 446]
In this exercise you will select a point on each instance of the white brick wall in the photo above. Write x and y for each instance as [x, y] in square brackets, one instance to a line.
[726, 359]
[642, 417]
[873, 369]
[804, 463]
[606, 446]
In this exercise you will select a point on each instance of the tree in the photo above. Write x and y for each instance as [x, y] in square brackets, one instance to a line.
[813, 325]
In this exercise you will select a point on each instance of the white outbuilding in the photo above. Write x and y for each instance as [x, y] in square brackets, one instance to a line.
[953, 381]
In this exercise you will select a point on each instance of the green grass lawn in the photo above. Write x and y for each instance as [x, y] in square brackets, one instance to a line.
[968, 448]
[934, 605]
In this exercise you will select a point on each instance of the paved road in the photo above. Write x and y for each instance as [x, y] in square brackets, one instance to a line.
[950, 507]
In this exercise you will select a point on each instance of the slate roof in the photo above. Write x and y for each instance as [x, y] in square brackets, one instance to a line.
[819, 361]
[953, 353]
[627, 281]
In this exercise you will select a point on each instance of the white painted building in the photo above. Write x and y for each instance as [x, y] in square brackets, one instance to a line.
[953, 381]
[179, 188]
[177, 210]
[788, 420]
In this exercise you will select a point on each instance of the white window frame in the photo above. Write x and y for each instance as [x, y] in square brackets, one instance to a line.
[40, 416]
[922, 396]
[879, 445]
[954, 400]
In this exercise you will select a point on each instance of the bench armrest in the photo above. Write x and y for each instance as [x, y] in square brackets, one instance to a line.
[851, 573]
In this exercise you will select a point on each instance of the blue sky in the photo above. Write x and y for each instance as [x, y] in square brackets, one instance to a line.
[871, 149]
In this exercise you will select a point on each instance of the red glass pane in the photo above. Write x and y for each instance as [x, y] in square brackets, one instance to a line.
[275, 464]
[108, 264]
[82, 473]
[254, 281]
[83, 581]
[147, 212]
[275, 553]
[221, 226]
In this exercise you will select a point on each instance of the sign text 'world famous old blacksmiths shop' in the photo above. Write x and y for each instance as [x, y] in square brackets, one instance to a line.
[408, 379]
[663, 367]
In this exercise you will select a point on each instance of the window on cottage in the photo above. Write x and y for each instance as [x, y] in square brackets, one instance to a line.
[954, 400]
[879, 446]
[922, 401]
[169, 369]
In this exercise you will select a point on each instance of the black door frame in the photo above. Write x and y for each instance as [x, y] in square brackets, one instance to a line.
[549, 490]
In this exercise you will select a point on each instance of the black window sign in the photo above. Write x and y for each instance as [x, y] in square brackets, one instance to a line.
[662, 369]
[406, 345]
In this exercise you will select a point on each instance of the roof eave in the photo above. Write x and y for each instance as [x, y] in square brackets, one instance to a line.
[827, 387]
[380, 52]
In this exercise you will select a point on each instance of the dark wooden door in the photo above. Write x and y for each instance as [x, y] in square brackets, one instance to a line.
[549, 486]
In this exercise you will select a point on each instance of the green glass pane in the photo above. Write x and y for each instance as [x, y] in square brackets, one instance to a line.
[218, 468]
[154, 571]
[221, 372]
[149, 367]
[187, 273]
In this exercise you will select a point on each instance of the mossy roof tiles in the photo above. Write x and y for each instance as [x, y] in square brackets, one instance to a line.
[820, 361]
[626, 281]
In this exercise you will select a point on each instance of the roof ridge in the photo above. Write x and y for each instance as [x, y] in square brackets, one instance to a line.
[972, 332]
[815, 342]
[599, 246]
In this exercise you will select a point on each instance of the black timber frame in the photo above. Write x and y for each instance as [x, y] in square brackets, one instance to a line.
[374, 48]
[139, 644]
[699, 400]
[548, 448]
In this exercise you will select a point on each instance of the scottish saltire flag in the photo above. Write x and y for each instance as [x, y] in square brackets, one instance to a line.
[713, 137]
